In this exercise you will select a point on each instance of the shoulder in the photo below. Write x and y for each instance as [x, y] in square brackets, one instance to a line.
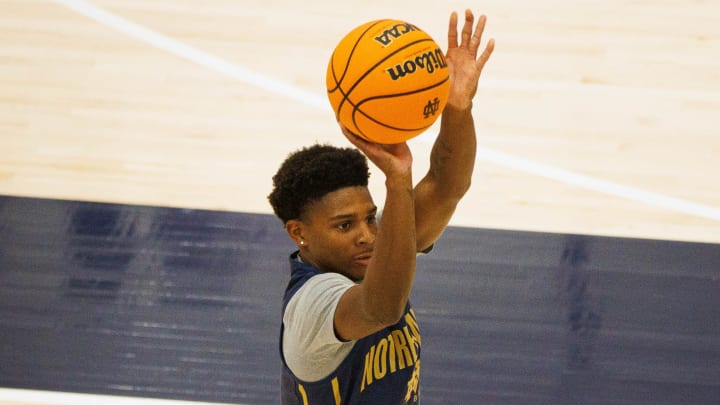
[314, 303]
[310, 347]
[321, 287]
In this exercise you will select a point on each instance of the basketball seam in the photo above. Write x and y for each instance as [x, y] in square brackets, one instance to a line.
[349, 58]
[357, 109]
[367, 72]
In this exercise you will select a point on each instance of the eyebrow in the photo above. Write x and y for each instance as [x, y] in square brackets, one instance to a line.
[348, 216]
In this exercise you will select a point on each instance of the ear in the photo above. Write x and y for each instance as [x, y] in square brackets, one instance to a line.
[294, 229]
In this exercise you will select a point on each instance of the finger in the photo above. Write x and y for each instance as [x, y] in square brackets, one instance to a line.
[394, 148]
[477, 35]
[467, 29]
[489, 48]
[452, 31]
[367, 147]
[354, 139]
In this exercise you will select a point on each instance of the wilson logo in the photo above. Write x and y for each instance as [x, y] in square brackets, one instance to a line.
[429, 61]
[389, 35]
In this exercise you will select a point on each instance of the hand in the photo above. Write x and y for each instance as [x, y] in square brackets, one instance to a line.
[464, 65]
[390, 159]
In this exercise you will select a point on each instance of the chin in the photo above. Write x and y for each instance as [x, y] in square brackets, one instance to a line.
[359, 275]
[354, 272]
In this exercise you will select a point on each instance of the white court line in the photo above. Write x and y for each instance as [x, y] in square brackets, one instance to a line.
[548, 85]
[191, 54]
[600, 185]
[32, 397]
[251, 77]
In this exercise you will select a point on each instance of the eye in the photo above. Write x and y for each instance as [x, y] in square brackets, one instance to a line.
[344, 226]
[371, 219]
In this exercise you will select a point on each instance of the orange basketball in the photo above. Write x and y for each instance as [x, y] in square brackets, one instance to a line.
[387, 81]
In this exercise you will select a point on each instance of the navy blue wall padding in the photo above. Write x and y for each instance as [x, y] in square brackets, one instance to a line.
[185, 304]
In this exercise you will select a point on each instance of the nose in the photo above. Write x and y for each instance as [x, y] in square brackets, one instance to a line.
[366, 234]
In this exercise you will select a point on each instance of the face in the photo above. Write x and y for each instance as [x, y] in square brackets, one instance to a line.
[338, 232]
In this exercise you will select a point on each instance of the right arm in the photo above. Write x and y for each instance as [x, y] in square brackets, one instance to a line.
[380, 299]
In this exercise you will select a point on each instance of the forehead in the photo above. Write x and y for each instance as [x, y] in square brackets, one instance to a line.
[344, 202]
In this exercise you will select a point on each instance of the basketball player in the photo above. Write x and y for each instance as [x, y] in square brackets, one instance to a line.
[349, 334]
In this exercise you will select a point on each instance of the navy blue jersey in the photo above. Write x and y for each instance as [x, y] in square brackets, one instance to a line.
[383, 368]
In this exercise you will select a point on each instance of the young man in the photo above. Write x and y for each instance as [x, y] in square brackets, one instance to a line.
[349, 334]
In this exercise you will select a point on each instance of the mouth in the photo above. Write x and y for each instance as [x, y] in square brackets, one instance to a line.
[363, 259]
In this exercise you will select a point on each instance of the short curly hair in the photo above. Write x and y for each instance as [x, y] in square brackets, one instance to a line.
[310, 173]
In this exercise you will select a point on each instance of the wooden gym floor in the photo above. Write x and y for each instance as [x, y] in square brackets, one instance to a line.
[138, 142]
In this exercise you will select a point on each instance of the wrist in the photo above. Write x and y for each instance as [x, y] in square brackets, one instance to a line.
[399, 179]
[458, 108]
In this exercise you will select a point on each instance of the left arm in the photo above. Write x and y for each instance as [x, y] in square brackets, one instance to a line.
[453, 155]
